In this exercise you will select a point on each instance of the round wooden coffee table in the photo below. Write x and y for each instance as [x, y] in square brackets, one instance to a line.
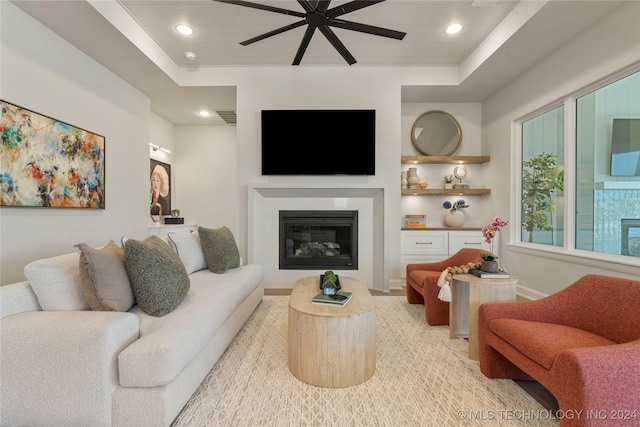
[331, 346]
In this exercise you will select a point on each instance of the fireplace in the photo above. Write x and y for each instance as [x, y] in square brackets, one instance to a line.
[314, 240]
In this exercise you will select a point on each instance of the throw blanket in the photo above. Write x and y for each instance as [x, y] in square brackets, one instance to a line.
[445, 288]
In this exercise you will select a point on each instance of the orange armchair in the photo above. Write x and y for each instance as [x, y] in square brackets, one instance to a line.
[422, 284]
[582, 343]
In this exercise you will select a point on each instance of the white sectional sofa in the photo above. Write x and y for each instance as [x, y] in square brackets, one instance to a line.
[62, 367]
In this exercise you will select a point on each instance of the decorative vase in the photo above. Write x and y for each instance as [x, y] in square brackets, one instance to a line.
[454, 219]
[448, 185]
[403, 180]
[412, 178]
[490, 266]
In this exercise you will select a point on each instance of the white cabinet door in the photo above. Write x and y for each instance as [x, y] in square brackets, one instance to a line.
[424, 242]
[466, 239]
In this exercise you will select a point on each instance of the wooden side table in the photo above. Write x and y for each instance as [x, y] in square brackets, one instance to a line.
[331, 346]
[467, 293]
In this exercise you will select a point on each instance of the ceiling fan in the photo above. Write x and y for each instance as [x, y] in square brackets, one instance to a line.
[317, 15]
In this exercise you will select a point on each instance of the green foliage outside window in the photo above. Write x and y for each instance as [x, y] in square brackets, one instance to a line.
[541, 178]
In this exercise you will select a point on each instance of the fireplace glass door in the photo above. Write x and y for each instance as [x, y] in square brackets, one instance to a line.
[311, 240]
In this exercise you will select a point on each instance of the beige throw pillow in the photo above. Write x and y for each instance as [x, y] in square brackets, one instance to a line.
[103, 278]
[220, 249]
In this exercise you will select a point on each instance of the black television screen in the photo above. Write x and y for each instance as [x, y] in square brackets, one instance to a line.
[318, 142]
[625, 147]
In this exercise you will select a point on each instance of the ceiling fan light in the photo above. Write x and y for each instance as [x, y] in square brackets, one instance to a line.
[454, 28]
[184, 29]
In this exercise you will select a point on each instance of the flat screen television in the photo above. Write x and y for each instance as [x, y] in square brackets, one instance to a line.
[625, 147]
[318, 142]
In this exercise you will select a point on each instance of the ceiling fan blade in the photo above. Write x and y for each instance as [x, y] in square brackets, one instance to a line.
[263, 7]
[364, 28]
[273, 33]
[335, 41]
[350, 7]
[304, 44]
[307, 6]
[323, 5]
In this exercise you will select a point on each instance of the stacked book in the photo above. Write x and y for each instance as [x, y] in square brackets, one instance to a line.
[415, 221]
[340, 298]
[486, 275]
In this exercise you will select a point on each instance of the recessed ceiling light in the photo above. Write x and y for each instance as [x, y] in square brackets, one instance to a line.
[454, 28]
[204, 113]
[184, 29]
[190, 56]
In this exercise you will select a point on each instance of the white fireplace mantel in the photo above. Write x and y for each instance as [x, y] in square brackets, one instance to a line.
[265, 202]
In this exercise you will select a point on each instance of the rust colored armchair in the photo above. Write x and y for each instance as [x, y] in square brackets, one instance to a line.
[422, 284]
[582, 343]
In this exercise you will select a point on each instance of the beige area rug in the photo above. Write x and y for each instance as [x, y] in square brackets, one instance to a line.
[422, 378]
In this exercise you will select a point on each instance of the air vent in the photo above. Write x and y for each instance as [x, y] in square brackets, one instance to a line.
[228, 116]
[484, 3]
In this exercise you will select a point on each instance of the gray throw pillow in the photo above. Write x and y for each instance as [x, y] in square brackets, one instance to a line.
[220, 249]
[103, 278]
[158, 277]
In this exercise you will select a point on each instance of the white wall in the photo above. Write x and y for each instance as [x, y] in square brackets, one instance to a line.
[42, 72]
[607, 47]
[206, 177]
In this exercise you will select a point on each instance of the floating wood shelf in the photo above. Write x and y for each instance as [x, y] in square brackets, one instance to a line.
[454, 160]
[437, 191]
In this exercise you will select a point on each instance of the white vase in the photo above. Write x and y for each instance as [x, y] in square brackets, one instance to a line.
[448, 185]
[454, 219]
[412, 178]
[403, 180]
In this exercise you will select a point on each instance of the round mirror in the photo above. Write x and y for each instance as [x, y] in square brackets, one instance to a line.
[436, 133]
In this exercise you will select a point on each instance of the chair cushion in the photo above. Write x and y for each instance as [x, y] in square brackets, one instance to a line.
[419, 277]
[542, 342]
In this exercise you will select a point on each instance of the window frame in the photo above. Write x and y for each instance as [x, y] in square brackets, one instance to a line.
[567, 252]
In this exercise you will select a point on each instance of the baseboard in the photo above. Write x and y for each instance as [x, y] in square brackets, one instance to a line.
[529, 294]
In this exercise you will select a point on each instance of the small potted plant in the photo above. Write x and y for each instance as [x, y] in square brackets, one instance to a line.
[448, 181]
[489, 263]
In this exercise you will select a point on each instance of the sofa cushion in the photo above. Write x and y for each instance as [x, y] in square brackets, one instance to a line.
[103, 278]
[158, 277]
[542, 342]
[168, 344]
[419, 276]
[189, 249]
[56, 282]
[220, 249]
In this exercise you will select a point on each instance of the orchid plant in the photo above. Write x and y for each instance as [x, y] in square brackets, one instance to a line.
[489, 232]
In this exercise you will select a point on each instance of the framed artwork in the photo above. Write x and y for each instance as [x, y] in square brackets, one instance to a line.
[160, 181]
[48, 163]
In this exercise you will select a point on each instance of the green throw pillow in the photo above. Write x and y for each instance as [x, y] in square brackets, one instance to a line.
[220, 249]
[158, 277]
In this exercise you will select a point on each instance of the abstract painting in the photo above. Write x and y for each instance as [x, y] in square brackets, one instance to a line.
[48, 163]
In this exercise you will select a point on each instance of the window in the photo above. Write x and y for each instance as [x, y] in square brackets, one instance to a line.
[542, 178]
[605, 215]
[608, 190]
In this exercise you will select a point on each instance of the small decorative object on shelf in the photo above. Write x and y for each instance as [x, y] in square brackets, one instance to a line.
[415, 221]
[448, 181]
[423, 185]
[460, 172]
[455, 218]
[403, 180]
[412, 178]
